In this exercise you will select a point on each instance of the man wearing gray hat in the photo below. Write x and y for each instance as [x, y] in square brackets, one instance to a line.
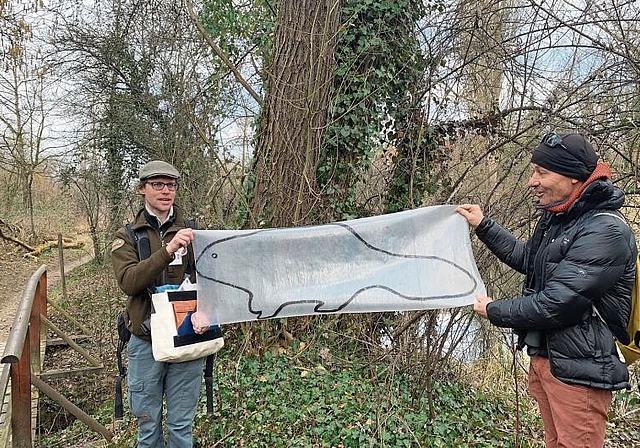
[170, 254]
[579, 268]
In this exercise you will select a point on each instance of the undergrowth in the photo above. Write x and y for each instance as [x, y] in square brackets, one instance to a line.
[308, 393]
[289, 398]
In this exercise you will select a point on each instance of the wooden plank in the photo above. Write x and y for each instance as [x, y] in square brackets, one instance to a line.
[35, 392]
[57, 342]
[5, 433]
[67, 373]
[5, 413]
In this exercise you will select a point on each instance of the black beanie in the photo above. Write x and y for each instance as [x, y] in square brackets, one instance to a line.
[571, 155]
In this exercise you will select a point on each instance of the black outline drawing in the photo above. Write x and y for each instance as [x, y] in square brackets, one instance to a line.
[320, 303]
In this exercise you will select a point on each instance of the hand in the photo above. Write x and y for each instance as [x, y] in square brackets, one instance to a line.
[200, 322]
[472, 213]
[183, 238]
[480, 305]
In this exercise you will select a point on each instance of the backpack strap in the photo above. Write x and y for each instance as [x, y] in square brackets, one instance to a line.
[208, 381]
[139, 238]
[118, 408]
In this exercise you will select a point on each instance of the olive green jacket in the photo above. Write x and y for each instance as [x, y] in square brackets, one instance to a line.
[135, 276]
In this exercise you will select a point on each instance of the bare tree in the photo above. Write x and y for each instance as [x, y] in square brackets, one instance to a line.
[26, 113]
[153, 91]
[84, 182]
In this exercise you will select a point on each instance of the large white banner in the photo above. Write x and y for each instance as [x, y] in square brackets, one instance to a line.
[412, 260]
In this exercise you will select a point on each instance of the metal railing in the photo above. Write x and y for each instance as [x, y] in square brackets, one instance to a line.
[22, 365]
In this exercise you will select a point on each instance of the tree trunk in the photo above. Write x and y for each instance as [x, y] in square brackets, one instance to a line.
[295, 112]
[29, 193]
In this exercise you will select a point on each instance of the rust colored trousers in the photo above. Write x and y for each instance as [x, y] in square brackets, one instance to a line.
[574, 416]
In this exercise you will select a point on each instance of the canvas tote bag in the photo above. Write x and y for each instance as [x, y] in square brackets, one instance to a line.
[172, 335]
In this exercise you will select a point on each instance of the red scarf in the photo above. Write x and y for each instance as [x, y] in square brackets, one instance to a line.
[602, 171]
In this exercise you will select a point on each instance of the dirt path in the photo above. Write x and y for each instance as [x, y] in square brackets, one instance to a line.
[15, 271]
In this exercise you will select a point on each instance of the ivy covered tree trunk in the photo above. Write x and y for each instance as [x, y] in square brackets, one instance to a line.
[379, 63]
[298, 83]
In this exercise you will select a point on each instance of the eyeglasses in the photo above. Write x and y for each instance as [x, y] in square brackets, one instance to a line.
[172, 186]
[553, 140]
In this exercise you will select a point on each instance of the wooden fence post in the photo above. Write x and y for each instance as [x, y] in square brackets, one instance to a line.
[21, 398]
[61, 263]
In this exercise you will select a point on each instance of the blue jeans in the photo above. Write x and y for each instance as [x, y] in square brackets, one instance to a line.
[148, 380]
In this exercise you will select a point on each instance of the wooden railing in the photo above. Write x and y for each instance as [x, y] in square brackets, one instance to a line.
[22, 366]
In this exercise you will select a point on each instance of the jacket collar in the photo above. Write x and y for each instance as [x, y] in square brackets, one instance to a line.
[145, 219]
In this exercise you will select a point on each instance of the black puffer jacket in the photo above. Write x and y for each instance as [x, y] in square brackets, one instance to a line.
[575, 260]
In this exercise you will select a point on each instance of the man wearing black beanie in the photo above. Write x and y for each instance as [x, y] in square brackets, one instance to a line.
[576, 299]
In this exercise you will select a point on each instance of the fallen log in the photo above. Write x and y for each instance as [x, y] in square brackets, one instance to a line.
[66, 244]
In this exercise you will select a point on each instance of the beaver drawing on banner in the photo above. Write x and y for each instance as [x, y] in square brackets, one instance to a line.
[331, 268]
